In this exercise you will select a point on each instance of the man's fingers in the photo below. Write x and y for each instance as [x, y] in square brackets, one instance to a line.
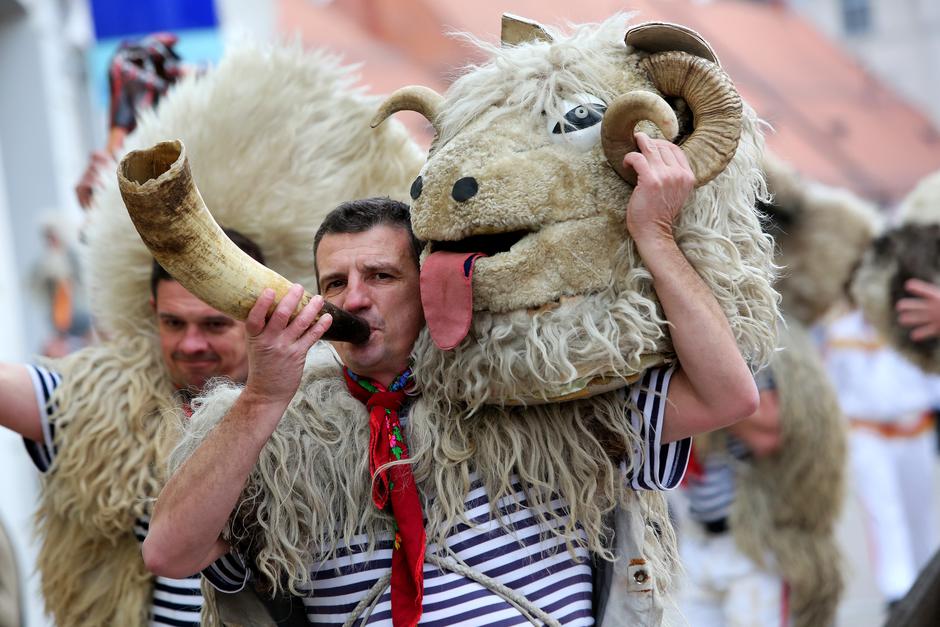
[910, 304]
[254, 323]
[649, 149]
[307, 316]
[914, 318]
[666, 154]
[638, 162]
[922, 288]
[316, 331]
[925, 332]
[682, 160]
[288, 305]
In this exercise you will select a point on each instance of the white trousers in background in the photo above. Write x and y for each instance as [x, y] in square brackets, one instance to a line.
[723, 588]
[893, 479]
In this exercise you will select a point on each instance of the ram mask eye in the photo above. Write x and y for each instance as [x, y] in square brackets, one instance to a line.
[580, 127]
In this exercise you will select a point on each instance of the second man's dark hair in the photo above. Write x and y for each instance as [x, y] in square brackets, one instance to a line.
[158, 273]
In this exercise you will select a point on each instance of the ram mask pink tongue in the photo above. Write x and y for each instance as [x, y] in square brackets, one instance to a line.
[447, 296]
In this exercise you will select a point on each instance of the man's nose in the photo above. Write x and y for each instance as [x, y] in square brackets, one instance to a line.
[357, 295]
[194, 340]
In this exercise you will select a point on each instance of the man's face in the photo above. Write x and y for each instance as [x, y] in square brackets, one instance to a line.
[198, 342]
[374, 275]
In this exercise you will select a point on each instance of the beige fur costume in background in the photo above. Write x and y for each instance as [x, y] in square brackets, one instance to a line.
[310, 489]
[276, 136]
[786, 504]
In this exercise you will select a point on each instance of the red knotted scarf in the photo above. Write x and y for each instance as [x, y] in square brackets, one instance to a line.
[395, 487]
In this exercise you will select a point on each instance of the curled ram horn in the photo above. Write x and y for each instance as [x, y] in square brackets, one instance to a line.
[174, 223]
[620, 120]
[419, 98]
[716, 110]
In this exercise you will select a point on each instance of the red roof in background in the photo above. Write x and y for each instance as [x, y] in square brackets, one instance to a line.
[831, 118]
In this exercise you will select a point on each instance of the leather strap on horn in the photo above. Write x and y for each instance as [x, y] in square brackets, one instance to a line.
[418, 98]
[715, 104]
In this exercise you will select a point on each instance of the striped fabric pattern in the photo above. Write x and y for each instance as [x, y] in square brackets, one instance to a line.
[712, 494]
[176, 602]
[518, 554]
[662, 466]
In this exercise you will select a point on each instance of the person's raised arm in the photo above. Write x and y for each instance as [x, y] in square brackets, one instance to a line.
[19, 409]
[197, 501]
[713, 387]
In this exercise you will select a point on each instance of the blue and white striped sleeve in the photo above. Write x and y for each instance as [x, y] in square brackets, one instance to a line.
[228, 574]
[658, 466]
[45, 383]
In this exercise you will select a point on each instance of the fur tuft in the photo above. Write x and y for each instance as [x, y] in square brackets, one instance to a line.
[822, 233]
[286, 521]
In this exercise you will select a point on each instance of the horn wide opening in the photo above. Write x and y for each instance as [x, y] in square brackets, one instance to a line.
[141, 166]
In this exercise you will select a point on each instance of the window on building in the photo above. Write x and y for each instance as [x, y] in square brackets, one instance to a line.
[856, 16]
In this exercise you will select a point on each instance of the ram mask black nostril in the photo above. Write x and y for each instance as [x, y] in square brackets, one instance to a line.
[465, 189]
[416, 188]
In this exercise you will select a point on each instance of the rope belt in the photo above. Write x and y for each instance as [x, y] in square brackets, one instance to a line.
[533, 613]
[895, 429]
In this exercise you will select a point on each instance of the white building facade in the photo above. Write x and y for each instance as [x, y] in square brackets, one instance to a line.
[897, 40]
[49, 123]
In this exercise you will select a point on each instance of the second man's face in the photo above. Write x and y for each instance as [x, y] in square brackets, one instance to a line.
[373, 274]
[198, 342]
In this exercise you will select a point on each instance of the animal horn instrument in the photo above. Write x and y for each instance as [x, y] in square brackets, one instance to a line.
[175, 224]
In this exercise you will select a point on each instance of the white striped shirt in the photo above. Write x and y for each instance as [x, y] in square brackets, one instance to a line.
[519, 553]
[176, 602]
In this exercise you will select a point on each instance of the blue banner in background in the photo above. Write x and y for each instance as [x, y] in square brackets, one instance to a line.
[195, 22]
[120, 18]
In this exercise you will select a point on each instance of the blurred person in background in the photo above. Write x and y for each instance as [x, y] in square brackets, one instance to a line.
[56, 280]
[139, 75]
[888, 403]
[764, 495]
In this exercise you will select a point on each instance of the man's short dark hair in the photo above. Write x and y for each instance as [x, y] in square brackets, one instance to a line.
[357, 216]
[158, 273]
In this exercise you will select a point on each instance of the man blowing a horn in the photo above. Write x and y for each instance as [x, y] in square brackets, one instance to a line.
[332, 483]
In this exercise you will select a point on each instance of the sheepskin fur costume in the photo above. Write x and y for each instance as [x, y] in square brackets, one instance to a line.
[562, 300]
[276, 137]
[911, 250]
[550, 212]
[787, 503]
[821, 234]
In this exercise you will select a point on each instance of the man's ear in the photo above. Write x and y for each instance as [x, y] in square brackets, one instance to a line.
[153, 304]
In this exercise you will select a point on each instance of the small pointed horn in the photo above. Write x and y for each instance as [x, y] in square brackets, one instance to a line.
[620, 120]
[418, 98]
[172, 219]
[519, 30]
